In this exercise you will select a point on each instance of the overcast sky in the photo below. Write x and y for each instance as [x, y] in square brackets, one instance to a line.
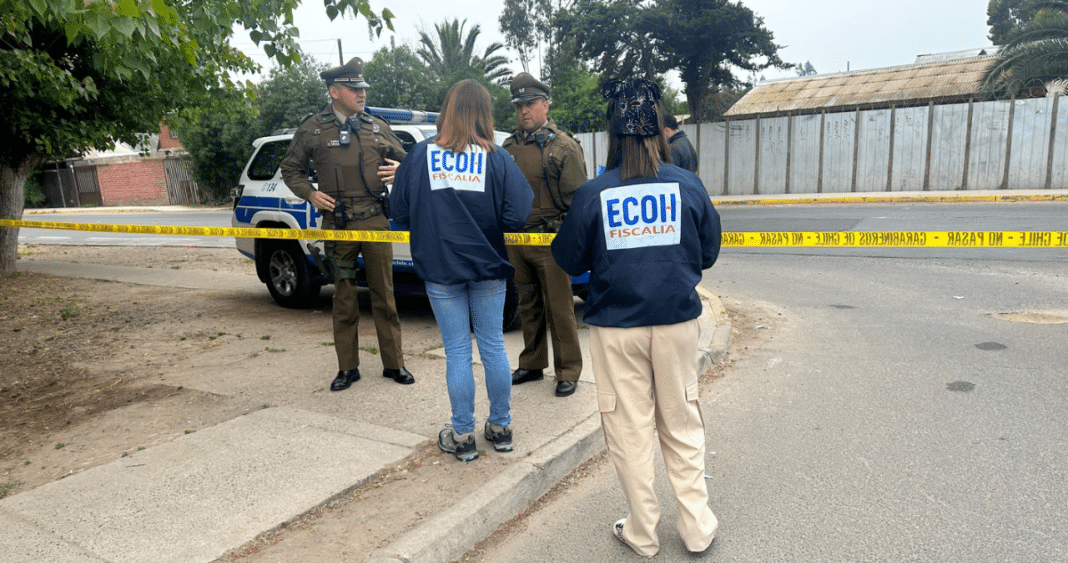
[834, 35]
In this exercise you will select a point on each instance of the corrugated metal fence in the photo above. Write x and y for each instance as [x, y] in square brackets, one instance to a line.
[1008, 144]
[181, 187]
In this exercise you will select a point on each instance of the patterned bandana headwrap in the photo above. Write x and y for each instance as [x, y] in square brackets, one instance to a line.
[635, 109]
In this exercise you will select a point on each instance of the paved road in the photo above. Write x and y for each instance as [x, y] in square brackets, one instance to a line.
[903, 408]
[171, 217]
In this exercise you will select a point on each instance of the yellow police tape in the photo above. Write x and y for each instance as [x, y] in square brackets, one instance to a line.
[957, 239]
[527, 239]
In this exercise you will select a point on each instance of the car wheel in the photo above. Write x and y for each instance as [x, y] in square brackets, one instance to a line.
[289, 276]
[512, 318]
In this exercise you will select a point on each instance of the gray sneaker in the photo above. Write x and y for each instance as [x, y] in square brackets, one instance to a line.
[460, 445]
[501, 436]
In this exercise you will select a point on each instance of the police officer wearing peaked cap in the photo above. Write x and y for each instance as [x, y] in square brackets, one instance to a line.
[355, 156]
[554, 166]
[349, 74]
[525, 87]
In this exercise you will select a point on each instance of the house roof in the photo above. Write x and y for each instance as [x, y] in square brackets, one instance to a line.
[942, 82]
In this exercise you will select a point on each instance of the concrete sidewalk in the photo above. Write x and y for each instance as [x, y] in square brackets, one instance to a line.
[202, 494]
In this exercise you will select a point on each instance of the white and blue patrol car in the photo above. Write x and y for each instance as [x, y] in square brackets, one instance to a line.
[288, 267]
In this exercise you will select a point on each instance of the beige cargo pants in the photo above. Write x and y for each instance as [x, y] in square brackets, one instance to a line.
[647, 390]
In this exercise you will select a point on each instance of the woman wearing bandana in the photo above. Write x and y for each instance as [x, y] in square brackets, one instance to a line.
[645, 229]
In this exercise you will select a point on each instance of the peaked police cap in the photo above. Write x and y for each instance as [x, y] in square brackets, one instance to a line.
[525, 87]
[349, 74]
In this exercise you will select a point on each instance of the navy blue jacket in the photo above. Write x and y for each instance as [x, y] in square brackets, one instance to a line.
[457, 206]
[645, 242]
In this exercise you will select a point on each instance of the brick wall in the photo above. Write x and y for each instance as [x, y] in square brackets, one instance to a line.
[142, 182]
[168, 140]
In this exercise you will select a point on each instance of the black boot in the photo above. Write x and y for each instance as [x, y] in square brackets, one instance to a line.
[344, 379]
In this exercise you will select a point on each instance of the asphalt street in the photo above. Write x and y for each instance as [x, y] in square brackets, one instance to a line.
[883, 409]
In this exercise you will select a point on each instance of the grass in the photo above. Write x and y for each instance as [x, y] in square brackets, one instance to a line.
[6, 488]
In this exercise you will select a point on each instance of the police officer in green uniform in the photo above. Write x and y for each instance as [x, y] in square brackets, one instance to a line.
[554, 166]
[355, 155]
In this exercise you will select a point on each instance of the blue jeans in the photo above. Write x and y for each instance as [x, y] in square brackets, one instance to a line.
[457, 308]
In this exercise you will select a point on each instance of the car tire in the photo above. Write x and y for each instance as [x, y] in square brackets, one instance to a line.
[289, 275]
[512, 317]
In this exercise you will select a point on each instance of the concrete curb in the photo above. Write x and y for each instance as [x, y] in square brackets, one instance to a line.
[455, 530]
[451, 533]
[721, 334]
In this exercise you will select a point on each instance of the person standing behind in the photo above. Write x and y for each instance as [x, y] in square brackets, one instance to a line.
[682, 153]
[355, 156]
[645, 230]
[554, 166]
[458, 194]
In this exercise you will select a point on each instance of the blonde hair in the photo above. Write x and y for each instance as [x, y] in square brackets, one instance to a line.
[466, 117]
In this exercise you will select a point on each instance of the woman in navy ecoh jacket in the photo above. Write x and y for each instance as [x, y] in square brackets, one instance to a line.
[645, 230]
[457, 194]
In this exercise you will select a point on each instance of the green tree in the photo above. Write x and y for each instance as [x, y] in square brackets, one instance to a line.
[805, 69]
[673, 103]
[399, 79]
[218, 141]
[288, 94]
[706, 41]
[519, 24]
[82, 74]
[577, 104]
[530, 27]
[1006, 17]
[1036, 55]
[610, 35]
[451, 55]
[217, 145]
[503, 111]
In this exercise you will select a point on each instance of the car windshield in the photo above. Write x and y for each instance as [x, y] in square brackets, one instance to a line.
[498, 136]
[267, 160]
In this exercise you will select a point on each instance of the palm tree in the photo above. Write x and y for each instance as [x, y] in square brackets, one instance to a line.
[453, 55]
[1037, 55]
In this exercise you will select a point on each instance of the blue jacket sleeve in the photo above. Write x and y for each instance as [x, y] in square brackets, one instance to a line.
[404, 182]
[572, 246]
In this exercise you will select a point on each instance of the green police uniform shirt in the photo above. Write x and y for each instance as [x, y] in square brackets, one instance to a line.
[346, 172]
[566, 171]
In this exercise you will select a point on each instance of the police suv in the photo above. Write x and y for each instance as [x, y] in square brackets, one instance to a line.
[289, 268]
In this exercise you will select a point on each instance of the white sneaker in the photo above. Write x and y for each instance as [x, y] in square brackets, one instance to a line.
[617, 531]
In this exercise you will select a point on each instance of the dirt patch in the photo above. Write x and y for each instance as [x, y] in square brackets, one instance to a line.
[1035, 317]
[80, 359]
